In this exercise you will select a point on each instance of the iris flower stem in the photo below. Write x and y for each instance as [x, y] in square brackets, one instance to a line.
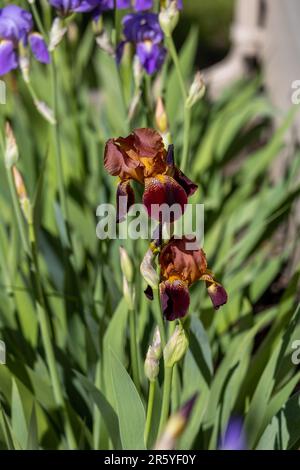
[159, 318]
[186, 138]
[168, 375]
[133, 348]
[46, 338]
[17, 211]
[38, 20]
[56, 134]
[56, 137]
[174, 55]
[151, 395]
[187, 110]
[166, 399]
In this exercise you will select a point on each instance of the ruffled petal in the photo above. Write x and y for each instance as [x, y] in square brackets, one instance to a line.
[151, 56]
[125, 199]
[188, 185]
[39, 48]
[175, 299]
[8, 57]
[163, 192]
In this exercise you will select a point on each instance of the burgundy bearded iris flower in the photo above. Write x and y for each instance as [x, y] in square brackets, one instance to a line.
[16, 31]
[180, 268]
[144, 31]
[142, 157]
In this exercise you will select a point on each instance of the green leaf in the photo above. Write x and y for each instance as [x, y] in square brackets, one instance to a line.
[32, 442]
[129, 407]
[18, 420]
[284, 431]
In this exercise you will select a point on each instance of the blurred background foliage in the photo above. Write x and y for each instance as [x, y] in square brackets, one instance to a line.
[240, 357]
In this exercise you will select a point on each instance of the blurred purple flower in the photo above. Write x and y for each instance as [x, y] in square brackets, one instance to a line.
[234, 437]
[143, 30]
[142, 5]
[66, 7]
[16, 27]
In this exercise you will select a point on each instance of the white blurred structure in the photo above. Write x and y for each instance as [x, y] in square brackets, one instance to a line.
[267, 31]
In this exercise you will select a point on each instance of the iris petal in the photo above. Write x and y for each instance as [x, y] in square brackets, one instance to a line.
[8, 57]
[125, 199]
[218, 294]
[164, 192]
[39, 48]
[175, 299]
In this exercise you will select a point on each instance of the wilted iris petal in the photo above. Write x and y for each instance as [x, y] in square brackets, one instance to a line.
[218, 294]
[234, 438]
[175, 299]
[39, 48]
[8, 57]
[164, 190]
[125, 199]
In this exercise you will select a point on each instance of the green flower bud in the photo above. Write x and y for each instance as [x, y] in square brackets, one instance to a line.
[11, 155]
[168, 18]
[126, 265]
[176, 347]
[151, 366]
[147, 270]
[197, 90]
[129, 293]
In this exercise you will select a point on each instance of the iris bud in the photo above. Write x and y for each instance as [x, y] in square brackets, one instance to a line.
[57, 32]
[147, 270]
[126, 265]
[151, 366]
[176, 347]
[168, 18]
[11, 155]
[197, 90]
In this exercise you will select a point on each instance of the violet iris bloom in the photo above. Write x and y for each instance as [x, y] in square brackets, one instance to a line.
[141, 5]
[143, 30]
[234, 438]
[16, 27]
[66, 7]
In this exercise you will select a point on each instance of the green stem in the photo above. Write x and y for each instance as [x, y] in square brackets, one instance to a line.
[186, 138]
[38, 20]
[17, 211]
[56, 137]
[152, 386]
[166, 399]
[174, 55]
[159, 317]
[133, 349]
[187, 110]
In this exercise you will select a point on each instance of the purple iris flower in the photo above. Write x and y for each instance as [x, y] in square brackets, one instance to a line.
[143, 30]
[16, 27]
[234, 438]
[141, 5]
[66, 7]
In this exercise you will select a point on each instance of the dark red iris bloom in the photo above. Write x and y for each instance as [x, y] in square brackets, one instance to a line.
[180, 268]
[142, 157]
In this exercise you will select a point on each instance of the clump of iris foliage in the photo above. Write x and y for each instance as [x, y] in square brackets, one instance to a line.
[70, 380]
